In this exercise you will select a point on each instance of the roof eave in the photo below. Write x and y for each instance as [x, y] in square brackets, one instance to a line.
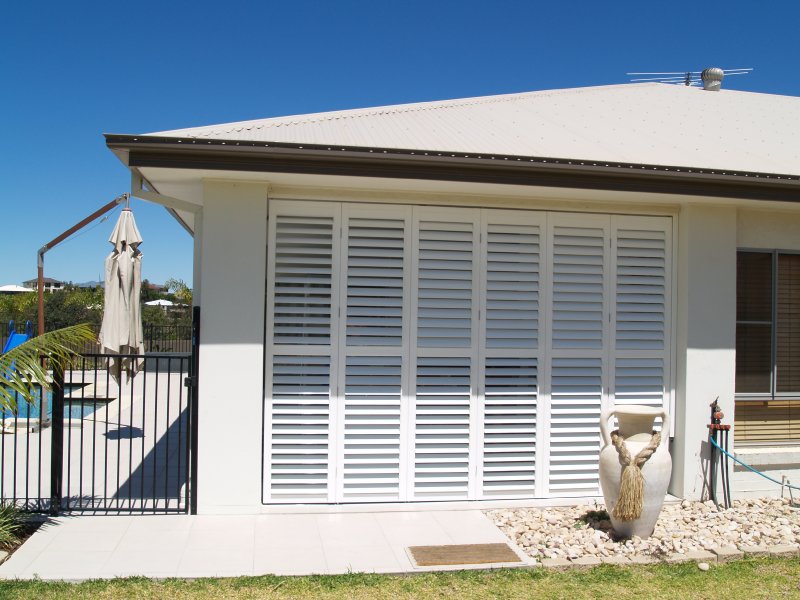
[237, 155]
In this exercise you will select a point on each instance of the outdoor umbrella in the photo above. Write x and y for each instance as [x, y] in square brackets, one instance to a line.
[121, 332]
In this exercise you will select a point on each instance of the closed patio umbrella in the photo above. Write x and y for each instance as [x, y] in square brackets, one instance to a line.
[121, 332]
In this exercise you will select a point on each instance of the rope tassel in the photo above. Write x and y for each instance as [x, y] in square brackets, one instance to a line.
[631, 489]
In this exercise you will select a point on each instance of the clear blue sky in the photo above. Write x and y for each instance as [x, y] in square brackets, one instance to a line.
[74, 70]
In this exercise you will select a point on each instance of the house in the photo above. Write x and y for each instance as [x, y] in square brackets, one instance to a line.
[50, 284]
[14, 289]
[433, 301]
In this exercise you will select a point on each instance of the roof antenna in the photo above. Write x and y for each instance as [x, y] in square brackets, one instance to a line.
[710, 79]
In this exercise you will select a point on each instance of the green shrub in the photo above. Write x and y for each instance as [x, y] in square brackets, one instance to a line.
[12, 525]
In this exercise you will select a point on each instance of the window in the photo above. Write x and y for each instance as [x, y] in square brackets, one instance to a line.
[767, 347]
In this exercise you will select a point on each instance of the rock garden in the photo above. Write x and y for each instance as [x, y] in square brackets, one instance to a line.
[583, 534]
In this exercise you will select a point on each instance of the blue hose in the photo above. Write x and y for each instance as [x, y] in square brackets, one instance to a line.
[745, 465]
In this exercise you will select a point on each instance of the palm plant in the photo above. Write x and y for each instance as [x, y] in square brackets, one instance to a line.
[22, 370]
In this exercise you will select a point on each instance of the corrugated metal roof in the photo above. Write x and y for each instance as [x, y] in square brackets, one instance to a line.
[647, 123]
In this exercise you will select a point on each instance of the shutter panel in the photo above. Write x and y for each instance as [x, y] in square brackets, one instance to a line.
[578, 287]
[641, 316]
[575, 398]
[371, 437]
[641, 288]
[579, 351]
[375, 281]
[302, 280]
[445, 284]
[372, 423]
[511, 277]
[300, 374]
[509, 427]
[444, 448]
[443, 403]
[299, 451]
[512, 285]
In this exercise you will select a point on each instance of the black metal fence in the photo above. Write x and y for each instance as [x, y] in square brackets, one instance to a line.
[157, 338]
[167, 338]
[101, 440]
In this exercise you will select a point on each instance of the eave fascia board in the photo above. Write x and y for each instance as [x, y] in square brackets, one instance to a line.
[153, 151]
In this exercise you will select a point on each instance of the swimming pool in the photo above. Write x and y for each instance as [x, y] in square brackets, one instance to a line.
[74, 407]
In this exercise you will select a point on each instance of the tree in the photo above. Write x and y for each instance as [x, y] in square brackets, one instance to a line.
[182, 292]
[22, 370]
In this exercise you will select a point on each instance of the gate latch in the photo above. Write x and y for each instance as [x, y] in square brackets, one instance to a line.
[190, 381]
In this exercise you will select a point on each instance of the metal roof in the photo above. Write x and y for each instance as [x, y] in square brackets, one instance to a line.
[647, 123]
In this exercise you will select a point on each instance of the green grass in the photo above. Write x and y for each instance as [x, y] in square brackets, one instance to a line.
[746, 579]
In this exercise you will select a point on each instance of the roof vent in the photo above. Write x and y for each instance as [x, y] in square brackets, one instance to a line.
[712, 79]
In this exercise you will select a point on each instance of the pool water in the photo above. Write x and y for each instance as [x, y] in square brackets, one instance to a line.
[74, 408]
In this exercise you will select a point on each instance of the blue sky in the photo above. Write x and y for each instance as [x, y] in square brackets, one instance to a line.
[74, 70]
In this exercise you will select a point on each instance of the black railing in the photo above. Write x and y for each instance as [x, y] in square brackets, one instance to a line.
[167, 338]
[106, 443]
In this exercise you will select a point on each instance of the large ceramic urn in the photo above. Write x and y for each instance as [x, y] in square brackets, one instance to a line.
[636, 432]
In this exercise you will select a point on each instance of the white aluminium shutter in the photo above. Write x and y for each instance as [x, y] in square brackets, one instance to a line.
[371, 423]
[578, 350]
[642, 252]
[444, 355]
[510, 353]
[301, 306]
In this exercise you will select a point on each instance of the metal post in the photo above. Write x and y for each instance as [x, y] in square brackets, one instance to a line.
[56, 441]
[192, 384]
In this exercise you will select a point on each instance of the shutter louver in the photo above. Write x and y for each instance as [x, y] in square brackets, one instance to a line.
[300, 425]
[575, 397]
[371, 439]
[375, 267]
[578, 271]
[445, 285]
[512, 286]
[302, 276]
[442, 428]
[509, 427]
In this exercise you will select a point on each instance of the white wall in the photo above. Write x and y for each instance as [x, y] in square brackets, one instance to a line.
[706, 336]
[232, 243]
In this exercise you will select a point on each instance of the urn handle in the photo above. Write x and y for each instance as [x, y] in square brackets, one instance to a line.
[607, 413]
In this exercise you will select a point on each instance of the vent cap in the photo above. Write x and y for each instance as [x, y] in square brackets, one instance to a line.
[712, 79]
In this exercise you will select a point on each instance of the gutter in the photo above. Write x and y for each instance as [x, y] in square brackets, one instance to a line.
[235, 155]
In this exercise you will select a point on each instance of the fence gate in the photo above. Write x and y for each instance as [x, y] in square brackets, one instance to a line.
[108, 443]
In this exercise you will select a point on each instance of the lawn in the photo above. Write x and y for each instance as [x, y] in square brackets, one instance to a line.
[746, 579]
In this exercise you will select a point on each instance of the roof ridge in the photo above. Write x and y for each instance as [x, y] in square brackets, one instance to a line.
[301, 119]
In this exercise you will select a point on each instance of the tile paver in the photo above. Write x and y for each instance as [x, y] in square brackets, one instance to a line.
[88, 546]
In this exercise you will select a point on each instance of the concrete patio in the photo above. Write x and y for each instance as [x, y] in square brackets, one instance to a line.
[87, 547]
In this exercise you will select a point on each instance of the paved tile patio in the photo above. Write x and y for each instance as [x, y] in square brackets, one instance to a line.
[85, 547]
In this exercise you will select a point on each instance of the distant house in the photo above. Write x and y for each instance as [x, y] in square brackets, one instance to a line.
[50, 284]
[14, 289]
[434, 301]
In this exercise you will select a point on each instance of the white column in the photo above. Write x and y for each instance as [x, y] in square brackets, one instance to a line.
[233, 240]
[706, 336]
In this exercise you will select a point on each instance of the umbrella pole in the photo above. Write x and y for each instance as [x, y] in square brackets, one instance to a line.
[43, 419]
[54, 242]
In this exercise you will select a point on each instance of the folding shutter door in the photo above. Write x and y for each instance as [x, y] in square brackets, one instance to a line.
[578, 352]
[510, 355]
[640, 321]
[420, 353]
[300, 307]
[445, 313]
[371, 409]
